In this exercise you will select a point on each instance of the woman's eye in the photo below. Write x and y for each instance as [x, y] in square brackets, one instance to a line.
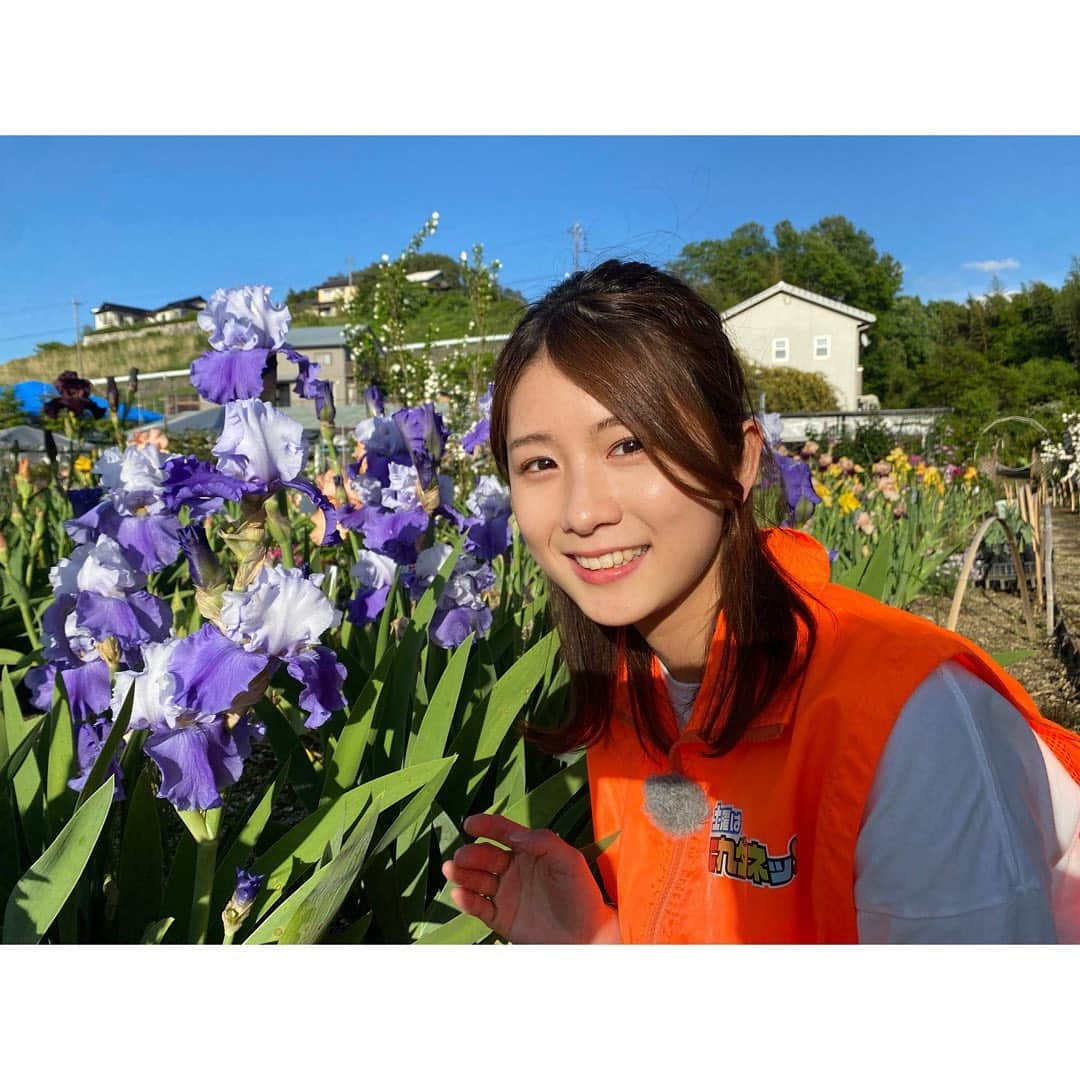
[635, 442]
[527, 467]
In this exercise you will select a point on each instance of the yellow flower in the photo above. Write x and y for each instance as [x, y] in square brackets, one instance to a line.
[834, 470]
[848, 502]
[823, 493]
[83, 463]
[970, 473]
[896, 454]
[859, 469]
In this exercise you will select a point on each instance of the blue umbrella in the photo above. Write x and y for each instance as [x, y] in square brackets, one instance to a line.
[33, 393]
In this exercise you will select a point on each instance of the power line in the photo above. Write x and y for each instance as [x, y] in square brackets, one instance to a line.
[36, 333]
[27, 310]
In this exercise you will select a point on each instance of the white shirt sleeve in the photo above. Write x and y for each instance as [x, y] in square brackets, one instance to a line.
[959, 839]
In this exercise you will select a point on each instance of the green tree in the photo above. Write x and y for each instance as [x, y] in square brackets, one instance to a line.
[831, 257]
[1067, 309]
[788, 390]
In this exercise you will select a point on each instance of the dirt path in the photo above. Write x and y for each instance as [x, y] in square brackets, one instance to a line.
[995, 621]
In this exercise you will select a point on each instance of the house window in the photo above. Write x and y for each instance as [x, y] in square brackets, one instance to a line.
[821, 347]
[284, 397]
[779, 349]
[324, 358]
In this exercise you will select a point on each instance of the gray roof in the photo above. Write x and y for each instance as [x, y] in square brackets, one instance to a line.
[803, 294]
[312, 337]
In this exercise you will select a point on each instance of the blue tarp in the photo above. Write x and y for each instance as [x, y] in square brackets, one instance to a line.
[32, 394]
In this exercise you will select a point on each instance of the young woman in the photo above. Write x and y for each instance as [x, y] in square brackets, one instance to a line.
[778, 759]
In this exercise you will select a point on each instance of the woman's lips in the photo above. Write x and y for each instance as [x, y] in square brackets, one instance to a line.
[615, 573]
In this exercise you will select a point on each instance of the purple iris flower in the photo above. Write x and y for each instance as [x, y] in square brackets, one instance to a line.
[384, 444]
[772, 427]
[206, 571]
[155, 687]
[424, 434]
[89, 739]
[307, 372]
[488, 530]
[226, 375]
[247, 888]
[429, 562]
[481, 430]
[259, 444]
[201, 486]
[797, 483]
[87, 686]
[281, 616]
[82, 499]
[374, 400]
[109, 596]
[244, 318]
[396, 534]
[375, 573]
[198, 760]
[185, 688]
[479, 434]
[461, 609]
[133, 511]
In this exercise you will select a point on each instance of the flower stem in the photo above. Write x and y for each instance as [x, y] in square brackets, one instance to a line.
[203, 826]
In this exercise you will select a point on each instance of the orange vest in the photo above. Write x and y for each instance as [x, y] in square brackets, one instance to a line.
[774, 860]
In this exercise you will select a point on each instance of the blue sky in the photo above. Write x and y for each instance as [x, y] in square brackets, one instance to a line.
[146, 220]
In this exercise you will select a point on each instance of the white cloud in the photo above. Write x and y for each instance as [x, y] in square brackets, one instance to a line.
[992, 266]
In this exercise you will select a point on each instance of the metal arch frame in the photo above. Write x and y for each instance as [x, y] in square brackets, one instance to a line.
[969, 562]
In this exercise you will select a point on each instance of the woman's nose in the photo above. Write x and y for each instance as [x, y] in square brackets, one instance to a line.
[588, 502]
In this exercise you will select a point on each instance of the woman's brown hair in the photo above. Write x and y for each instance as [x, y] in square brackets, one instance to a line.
[648, 347]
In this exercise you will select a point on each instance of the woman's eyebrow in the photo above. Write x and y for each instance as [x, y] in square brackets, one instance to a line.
[547, 437]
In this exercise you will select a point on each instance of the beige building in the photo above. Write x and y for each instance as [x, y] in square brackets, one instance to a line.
[333, 294]
[785, 326]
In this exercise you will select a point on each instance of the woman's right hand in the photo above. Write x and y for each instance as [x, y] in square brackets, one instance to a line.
[540, 892]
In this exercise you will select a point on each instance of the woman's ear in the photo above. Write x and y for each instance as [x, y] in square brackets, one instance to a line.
[752, 447]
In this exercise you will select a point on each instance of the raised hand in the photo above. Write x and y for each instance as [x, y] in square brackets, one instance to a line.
[540, 892]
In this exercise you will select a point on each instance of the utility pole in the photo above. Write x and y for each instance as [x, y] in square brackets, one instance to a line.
[348, 262]
[78, 338]
[578, 233]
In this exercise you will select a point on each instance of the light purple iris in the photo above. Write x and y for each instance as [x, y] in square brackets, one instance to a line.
[281, 616]
[133, 511]
[488, 530]
[86, 684]
[375, 574]
[244, 328]
[259, 444]
[772, 425]
[461, 609]
[428, 563]
[244, 318]
[109, 595]
[182, 695]
[383, 444]
[481, 430]
[155, 688]
[424, 434]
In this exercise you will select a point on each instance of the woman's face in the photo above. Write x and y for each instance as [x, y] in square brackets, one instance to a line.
[583, 489]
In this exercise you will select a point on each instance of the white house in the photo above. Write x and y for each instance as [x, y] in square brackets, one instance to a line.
[785, 326]
[109, 316]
